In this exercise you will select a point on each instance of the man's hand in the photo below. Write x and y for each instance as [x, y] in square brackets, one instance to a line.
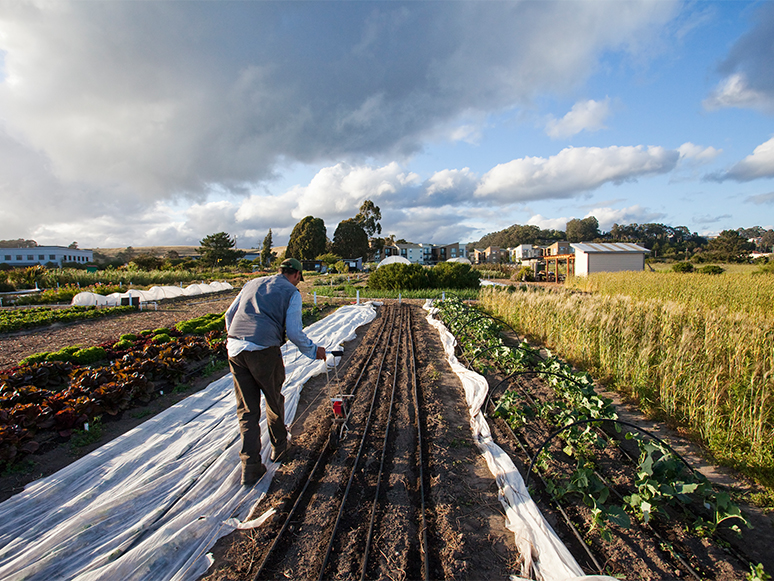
[321, 353]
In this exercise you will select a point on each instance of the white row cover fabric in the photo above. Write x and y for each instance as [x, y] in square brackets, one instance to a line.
[148, 505]
[544, 555]
[393, 260]
[154, 293]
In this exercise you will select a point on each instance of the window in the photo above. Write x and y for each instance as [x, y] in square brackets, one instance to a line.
[30, 257]
[8, 257]
[41, 256]
[18, 257]
[52, 256]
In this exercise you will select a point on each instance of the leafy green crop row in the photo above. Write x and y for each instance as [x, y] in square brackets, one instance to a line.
[662, 484]
[18, 319]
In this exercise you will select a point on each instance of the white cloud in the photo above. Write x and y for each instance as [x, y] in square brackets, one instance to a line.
[636, 214]
[748, 75]
[548, 223]
[697, 153]
[462, 181]
[572, 171]
[760, 164]
[735, 91]
[584, 116]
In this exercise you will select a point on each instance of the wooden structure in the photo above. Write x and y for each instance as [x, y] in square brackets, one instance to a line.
[563, 266]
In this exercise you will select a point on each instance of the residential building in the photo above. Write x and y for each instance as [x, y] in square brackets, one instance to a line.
[423, 253]
[490, 255]
[45, 254]
[558, 248]
[525, 252]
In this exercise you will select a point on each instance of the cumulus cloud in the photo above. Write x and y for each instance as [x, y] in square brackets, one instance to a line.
[584, 116]
[760, 164]
[735, 91]
[171, 97]
[548, 223]
[697, 153]
[636, 214]
[573, 171]
[748, 75]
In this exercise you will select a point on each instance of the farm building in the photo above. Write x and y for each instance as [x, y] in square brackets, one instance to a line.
[58, 255]
[608, 257]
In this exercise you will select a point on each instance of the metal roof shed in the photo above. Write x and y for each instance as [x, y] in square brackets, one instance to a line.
[608, 257]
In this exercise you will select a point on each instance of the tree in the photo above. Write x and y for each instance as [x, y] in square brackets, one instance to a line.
[73, 245]
[218, 250]
[350, 239]
[329, 258]
[368, 218]
[147, 261]
[729, 246]
[584, 230]
[767, 241]
[266, 253]
[307, 240]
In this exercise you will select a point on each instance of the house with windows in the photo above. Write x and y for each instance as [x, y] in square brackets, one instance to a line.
[58, 255]
[490, 255]
[524, 252]
[423, 253]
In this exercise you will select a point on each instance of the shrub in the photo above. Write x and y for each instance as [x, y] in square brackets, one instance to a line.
[682, 267]
[454, 275]
[161, 338]
[399, 277]
[122, 344]
[128, 337]
[525, 274]
[711, 269]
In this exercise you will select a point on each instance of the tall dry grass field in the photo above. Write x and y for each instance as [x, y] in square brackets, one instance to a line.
[709, 368]
[745, 292]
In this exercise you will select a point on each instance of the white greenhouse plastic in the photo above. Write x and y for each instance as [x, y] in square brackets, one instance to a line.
[148, 505]
[155, 293]
[544, 555]
[393, 260]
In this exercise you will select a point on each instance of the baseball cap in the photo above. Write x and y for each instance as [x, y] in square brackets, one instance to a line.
[293, 263]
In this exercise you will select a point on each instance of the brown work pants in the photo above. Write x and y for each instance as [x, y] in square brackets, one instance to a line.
[257, 372]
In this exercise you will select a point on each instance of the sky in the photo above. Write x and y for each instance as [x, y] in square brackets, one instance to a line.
[139, 123]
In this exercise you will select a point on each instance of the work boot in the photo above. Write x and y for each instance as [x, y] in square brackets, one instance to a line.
[282, 453]
[252, 473]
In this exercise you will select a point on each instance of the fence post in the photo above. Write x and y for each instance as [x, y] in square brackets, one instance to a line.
[315, 298]
[358, 297]
[399, 301]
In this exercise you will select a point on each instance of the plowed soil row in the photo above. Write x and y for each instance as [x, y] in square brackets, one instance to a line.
[465, 525]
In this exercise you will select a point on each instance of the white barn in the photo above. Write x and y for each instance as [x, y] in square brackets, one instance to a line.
[608, 257]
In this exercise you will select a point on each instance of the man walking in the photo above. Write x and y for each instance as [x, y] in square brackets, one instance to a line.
[266, 312]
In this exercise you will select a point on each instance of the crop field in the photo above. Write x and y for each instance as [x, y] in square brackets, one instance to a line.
[705, 367]
[401, 490]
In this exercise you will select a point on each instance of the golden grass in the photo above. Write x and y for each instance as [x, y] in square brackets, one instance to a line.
[741, 292]
[710, 369]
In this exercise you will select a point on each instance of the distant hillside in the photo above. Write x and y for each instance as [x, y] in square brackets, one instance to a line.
[160, 251]
[183, 251]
